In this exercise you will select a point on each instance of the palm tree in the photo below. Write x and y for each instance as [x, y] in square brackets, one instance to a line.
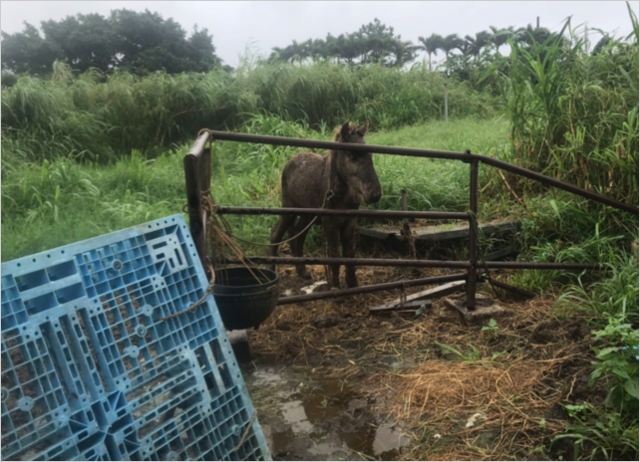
[501, 36]
[450, 43]
[404, 52]
[477, 43]
[431, 45]
[532, 34]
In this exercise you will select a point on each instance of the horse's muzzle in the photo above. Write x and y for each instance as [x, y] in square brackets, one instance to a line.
[373, 198]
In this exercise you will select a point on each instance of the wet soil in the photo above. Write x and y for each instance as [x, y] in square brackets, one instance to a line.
[307, 417]
[330, 381]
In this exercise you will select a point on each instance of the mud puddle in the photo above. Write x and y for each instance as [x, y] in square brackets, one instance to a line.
[306, 416]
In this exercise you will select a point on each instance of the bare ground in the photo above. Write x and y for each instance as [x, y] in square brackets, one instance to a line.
[458, 392]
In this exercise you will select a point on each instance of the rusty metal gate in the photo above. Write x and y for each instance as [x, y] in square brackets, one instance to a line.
[197, 165]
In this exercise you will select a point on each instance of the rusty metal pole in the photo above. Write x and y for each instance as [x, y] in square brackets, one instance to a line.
[194, 204]
[196, 180]
[473, 234]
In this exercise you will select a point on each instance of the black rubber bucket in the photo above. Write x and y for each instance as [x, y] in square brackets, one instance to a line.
[245, 297]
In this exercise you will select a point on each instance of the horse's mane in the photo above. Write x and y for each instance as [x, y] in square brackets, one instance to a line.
[337, 135]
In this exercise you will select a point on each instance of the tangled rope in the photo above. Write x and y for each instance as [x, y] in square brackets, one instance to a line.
[327, 197]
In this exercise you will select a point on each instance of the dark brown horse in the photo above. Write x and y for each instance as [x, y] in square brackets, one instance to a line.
[341, 178]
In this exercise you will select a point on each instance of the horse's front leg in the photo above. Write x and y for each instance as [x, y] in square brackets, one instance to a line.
[347, 236]
[284, 223]
[332, 237]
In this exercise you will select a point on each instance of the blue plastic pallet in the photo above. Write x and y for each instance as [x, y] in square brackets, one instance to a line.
[91, 372]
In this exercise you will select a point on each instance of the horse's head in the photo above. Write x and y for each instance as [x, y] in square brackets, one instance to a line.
[355, 167]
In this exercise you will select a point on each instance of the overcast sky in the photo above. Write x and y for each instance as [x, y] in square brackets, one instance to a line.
[262, 25]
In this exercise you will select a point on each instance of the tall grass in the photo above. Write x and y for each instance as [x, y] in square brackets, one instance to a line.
[574, 115]
[52, 203]
[97, 118]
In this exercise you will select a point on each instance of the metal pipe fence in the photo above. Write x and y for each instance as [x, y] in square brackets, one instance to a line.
[197, 165]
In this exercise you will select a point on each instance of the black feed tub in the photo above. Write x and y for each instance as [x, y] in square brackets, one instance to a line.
[243, 300]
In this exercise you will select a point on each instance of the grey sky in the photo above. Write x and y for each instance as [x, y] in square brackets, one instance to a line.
[263, 25]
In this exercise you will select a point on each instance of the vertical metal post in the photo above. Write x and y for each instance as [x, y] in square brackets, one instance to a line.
[446, 102]
[194, 203]
[473, 235]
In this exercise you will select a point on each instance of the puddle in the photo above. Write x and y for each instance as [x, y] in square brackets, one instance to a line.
[388, 439]
[309, 418]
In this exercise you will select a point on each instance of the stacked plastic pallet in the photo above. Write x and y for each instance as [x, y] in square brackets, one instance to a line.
[92, 368]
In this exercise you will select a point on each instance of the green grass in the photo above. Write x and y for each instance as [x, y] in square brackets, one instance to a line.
[98, 118]
[569, 114]
[50, 204]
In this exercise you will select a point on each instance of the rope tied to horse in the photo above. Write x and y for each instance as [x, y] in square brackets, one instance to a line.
[327, 198]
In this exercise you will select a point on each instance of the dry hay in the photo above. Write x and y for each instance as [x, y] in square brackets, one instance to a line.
[512, 401]
[516, 377]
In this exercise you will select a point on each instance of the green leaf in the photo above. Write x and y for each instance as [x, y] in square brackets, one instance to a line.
[631, 387]
[606, 351]
[621, 373]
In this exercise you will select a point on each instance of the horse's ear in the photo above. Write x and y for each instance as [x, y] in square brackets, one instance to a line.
[345, 131]
[364, 128]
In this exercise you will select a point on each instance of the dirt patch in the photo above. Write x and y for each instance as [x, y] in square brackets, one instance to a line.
[428, 374]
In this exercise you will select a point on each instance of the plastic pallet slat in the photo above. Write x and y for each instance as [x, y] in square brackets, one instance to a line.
[90, 371]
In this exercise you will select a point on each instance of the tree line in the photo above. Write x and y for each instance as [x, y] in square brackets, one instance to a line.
[144, 42]
[139, 42]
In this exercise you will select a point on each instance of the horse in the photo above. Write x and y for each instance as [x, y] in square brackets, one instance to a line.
[341, 179]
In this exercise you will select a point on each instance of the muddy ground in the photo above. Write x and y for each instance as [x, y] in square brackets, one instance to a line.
[332, 382]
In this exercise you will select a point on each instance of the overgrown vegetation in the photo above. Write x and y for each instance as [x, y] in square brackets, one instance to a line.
[82, 116]
[574, 115]
[85, 155]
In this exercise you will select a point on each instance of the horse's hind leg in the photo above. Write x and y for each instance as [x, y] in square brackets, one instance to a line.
[347, 236]
[284, 223]
[297, 245]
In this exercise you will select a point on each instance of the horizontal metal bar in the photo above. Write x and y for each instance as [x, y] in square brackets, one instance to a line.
[305, 143]
[537, 265]
[398, 214]
[372, 288]
[425, 153]
[353, 261]
[558, 184]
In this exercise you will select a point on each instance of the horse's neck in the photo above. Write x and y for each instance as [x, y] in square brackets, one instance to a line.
[342, 193]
